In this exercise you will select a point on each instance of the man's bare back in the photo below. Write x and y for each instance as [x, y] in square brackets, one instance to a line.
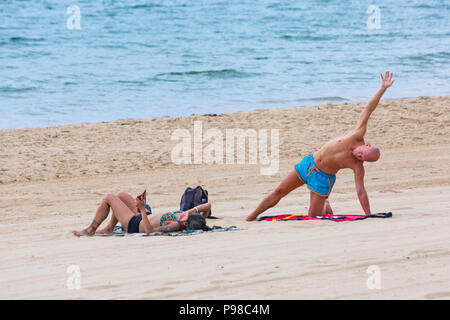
[318, 170]
[337, 154]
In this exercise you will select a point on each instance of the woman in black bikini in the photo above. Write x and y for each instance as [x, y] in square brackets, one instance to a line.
[134, 217]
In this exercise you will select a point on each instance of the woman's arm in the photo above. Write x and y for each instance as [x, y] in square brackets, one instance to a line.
[145, 222]
[171, 227]
[204, 209]
[140, 204]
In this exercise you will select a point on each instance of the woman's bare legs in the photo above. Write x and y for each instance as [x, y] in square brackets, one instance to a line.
[129, 202]
[120, 210]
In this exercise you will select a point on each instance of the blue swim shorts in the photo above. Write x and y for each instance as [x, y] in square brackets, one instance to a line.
[315, 179]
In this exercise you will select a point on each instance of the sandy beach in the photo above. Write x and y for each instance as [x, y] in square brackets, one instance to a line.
[52, 179]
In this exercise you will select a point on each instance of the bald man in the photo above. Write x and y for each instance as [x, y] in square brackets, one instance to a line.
[318, 170]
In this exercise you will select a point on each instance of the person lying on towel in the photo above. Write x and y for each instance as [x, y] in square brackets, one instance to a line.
[318, 170]
[135, 218]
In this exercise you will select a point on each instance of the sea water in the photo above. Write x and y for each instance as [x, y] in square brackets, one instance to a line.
[99, 60]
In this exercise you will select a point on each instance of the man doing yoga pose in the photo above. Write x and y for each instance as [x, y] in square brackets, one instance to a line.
[318, 170]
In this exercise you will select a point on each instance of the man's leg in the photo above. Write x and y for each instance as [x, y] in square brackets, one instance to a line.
[120, 211]
[327, 208]
[317, 205]
[129, 202]
[288, 184]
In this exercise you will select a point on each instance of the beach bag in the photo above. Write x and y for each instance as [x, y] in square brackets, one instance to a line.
[193, 197]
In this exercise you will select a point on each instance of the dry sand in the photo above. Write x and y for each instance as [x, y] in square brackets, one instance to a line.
[53, 178]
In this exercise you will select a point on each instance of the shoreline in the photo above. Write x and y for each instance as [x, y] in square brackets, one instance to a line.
[213, 114]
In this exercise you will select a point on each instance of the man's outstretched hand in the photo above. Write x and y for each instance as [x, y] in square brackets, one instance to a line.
[387, 81]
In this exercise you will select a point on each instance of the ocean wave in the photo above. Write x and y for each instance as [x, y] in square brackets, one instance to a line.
[7, 89]
[381, 34]
[325, 99]
[423, 6]
[25, 39]
[309, 37]
[212, 74]
[141, 44]
[132, 82]
[429, 57]
[141, 6]
[281, 6]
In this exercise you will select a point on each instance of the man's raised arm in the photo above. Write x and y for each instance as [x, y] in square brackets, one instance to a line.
[386, 82]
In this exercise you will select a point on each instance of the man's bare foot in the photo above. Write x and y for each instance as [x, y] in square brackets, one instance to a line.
[84, 232]
[104, 231]
[251, 217]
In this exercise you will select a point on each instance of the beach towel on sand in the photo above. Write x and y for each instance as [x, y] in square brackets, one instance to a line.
[119, 231]
[334, 217]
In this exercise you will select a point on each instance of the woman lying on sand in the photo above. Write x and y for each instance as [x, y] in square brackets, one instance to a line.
[125, 210]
